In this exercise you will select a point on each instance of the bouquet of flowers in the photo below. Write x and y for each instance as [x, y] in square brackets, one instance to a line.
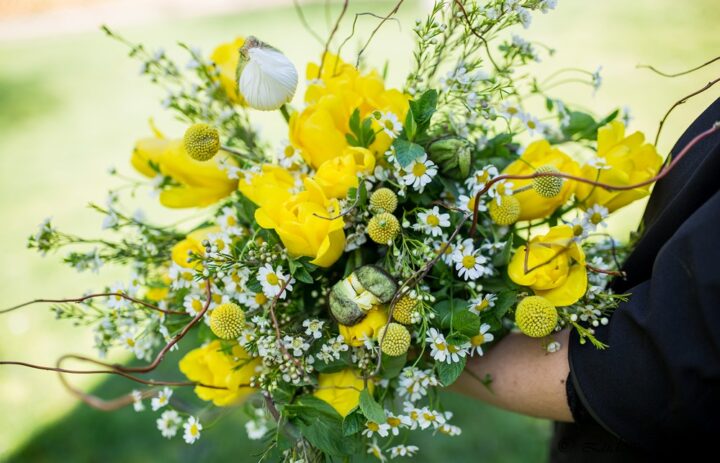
[335, 283]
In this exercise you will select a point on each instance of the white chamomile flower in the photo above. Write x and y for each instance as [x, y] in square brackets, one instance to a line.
[598, 163]
[419, 173]
[413, 414]
[288, 155]
[390, 124]
[372, 428]
[193, 304]
[449, 429]
[162, 399]
[192, 429]
[432, 221]
[532, 124]
[395, 422]
[500, 189]
[429, 418]
[581, 228]
[268, 79]
[596, 215]
[482, 302]
[469, 263]
[314, 328]
[509, 110]
[138, 405]
[481, 338]
[253, 300]
[297, 344]
[467, 204]
[272, 281]
[479, 179]
[168, 423]
[116, 301]
[403, 451]
[375, 450]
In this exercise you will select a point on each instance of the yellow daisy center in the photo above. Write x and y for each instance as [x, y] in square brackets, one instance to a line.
[419, 169]
[372, 426]
[468, 261]
[433, 220]
[272, 279]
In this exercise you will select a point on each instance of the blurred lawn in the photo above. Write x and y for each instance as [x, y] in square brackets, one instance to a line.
[71, 106]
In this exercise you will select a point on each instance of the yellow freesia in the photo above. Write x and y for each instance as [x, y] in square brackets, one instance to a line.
[227, 56]
[628, 160]
[553, 267]
[195, 183]
[319, 130]
[342, 389]
[272, 185]
[337, 175]
[192, 243]
[368, 327]
[300, 220]
[537, 154]
[212, 366]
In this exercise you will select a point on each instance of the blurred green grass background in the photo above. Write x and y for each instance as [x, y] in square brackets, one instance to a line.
[72, 105]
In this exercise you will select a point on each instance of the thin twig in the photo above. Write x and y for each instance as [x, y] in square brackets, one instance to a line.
[91, 296]
[330, 37]
[303, 21]
[677, 74]
[678, 103]
[372, 34]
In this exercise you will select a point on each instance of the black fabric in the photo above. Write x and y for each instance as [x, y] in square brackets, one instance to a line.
[656, 389]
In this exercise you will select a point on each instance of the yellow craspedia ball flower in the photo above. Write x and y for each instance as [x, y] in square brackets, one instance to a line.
[201, 141]
[384, 199]
[227, 321]
[395, 339]
[404, 309]
[547, 187]
[505, 213]
[536, 316]
[383, 228]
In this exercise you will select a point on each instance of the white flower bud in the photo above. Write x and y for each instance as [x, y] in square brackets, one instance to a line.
[268, 78]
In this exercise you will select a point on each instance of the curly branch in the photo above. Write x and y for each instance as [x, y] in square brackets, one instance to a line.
[91, 296]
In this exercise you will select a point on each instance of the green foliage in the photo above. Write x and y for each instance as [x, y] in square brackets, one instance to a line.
[372, 410]
[361, 131]
[448, 373]
[322, 426]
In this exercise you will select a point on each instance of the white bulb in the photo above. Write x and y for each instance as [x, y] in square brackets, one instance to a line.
[268, 80]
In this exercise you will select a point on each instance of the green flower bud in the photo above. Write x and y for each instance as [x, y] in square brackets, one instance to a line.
[351, 298]
[453, 156]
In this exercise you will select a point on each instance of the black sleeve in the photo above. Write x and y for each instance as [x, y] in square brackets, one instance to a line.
[658, 383]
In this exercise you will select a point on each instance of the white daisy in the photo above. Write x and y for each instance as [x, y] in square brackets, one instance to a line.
[192, 429]
[482, 302]
[395, 422]
[390, 124]
[581, 228]
[403, 451]
[413, 414]
[469, 263]
[500, 189]
[168, 423]
[479, 179]
[375, 450]
[288, 155]
[372, 428]
[467, 204]
[115, 301]
[481, 338]
[432, 221]
[272, 281]
[162, 399]
[532, 124]
[429, 418]
[419, 173]
[297, 344]
[137, 401]
[596, 216]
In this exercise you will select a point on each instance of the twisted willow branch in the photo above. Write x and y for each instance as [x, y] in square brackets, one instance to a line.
[91, 296]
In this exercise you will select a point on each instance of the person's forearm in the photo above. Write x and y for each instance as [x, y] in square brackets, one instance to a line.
[525, 378]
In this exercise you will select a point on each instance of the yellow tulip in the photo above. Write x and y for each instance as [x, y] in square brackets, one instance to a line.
[319, 130]
[368, 327]
[300, 220]
[226, 56]
[537, 154]
[212, 366]
[192, 243]
[196, 183]
[554, 266]
[628, 160]
[342, 389]
[337, 175]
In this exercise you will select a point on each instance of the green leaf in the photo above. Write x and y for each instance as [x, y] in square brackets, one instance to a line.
[446, 310]
[448, 373]
[505, 300]
[424, 107]
[391, 366]
[466, 322]
[410, 126]
[407, 151]
[353, 423]
[458, 339]
[503, 258]
[372, 410]
[303, 275]
[321, 425]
